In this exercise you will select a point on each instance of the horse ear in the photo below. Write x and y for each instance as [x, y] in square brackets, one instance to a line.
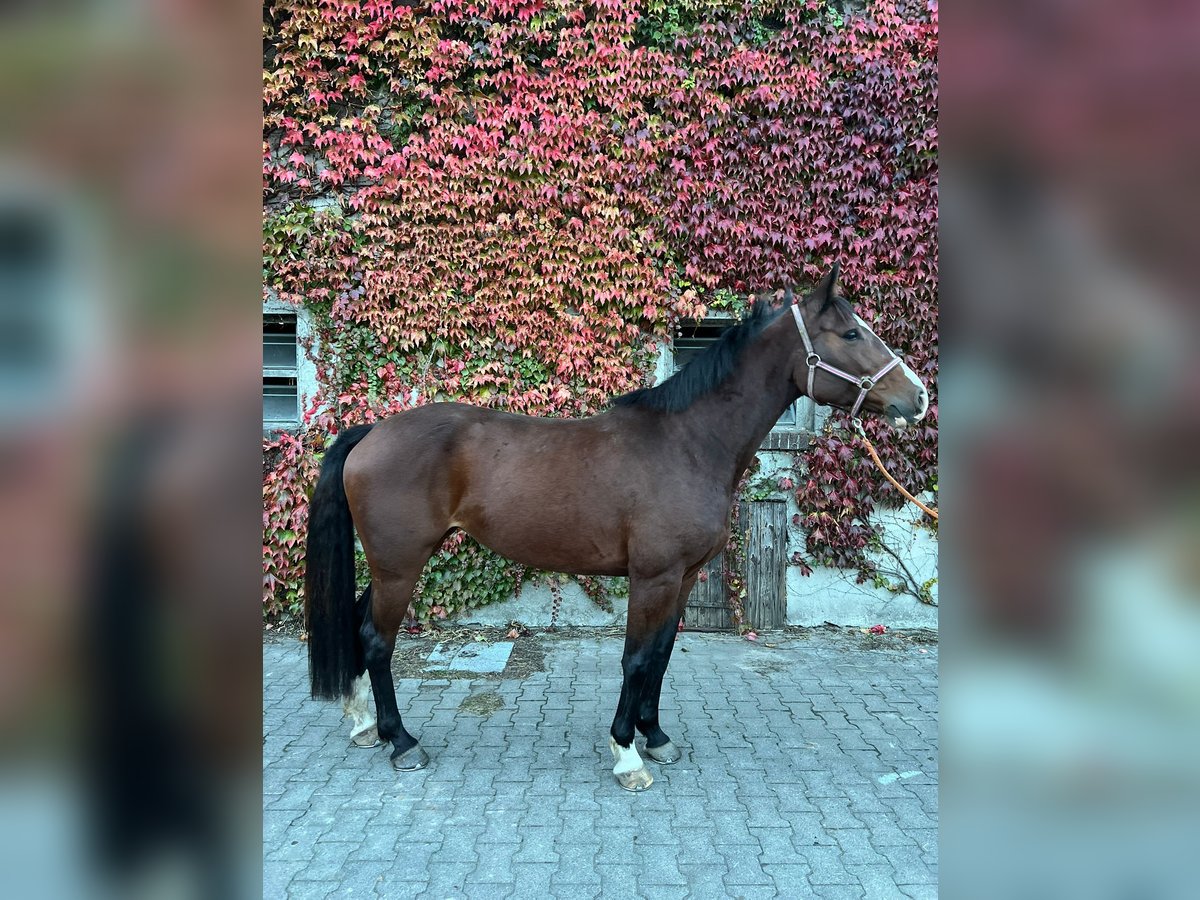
[788, 298]
[827, 289]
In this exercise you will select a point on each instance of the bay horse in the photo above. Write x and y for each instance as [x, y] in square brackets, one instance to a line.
[643, 489]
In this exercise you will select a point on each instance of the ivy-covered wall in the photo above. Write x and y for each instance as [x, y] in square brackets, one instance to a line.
[510, 202]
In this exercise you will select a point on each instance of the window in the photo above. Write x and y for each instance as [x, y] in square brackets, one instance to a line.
[47, 308]
[281, 356]
[798, 421]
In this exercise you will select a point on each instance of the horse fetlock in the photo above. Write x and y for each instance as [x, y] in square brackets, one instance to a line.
[357, 705]
[626, 758]
[651, 729]
[629, 770]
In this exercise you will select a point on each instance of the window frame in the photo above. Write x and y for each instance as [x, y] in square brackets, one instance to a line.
[791, 436]
[303, 373]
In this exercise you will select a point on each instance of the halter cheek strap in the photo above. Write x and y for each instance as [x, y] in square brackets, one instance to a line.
[865, 382]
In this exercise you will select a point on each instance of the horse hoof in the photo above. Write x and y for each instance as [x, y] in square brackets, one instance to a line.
[666, 754]
[410, 760]
[637, 780]
[367, 739]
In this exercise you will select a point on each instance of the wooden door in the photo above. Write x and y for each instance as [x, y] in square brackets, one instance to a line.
[765, 529]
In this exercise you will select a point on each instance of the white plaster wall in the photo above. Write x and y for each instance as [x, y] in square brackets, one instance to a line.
[831, 595]
[534, 604]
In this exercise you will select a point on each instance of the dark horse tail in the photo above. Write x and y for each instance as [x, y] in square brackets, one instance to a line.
[334, 660]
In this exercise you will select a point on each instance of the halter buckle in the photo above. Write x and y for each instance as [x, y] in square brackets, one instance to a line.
[866, 382]
[812, 359]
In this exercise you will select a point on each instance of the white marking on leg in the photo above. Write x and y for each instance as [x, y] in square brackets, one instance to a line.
[627, 758]
[357, 705]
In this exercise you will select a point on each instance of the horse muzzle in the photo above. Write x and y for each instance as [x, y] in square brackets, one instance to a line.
[903, 415]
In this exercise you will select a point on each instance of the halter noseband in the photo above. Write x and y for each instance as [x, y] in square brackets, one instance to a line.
[865, 382]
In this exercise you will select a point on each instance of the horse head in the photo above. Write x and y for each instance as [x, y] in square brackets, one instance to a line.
[841, 362]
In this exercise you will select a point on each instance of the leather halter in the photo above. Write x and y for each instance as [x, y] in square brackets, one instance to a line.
[865, 382]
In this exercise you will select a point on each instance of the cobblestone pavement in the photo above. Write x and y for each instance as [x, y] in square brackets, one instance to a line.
[809, 770]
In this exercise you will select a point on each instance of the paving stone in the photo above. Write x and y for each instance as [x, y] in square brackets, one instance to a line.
[327, 860]
[295, 795]
[665, 891]
[378, 844]
[658, 866]
[446, 879]
[460, 845]
[878, 882]
[910, 867]
[742, 867]
[277, 874]
[753, 892]
[839, 892]
[534, 879]
[310, 889]
[856, 846]
[835, 813]
[576, 891]
[535, 850]
[884, 830]
[778, 793]
[495, 866]
[617, 879]
[576, 865]
[790, 879]
[920, 891]
[368, 879]
[776, 843]
[910, 813]
[826, 866]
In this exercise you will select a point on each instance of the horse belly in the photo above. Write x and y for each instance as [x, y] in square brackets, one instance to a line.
[556, 533]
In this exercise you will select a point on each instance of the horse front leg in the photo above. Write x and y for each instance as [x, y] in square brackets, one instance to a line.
[659, 746]
[648, 636]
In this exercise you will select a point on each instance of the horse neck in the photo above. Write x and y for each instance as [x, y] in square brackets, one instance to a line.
[729, 425]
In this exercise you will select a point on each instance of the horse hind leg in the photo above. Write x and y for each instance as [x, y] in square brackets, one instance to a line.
[364, 731]
[364, 727]
[390, 599]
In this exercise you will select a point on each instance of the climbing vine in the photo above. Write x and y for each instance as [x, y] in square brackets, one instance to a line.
[838, 490]
[290, 471]
[511, 202]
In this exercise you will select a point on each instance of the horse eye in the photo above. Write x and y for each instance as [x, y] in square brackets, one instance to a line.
[851, 335]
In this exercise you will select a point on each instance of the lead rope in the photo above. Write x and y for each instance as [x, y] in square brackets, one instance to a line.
[862, 434]
[865, 384]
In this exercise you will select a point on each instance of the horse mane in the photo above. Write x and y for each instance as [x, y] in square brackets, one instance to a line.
[707, 371]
